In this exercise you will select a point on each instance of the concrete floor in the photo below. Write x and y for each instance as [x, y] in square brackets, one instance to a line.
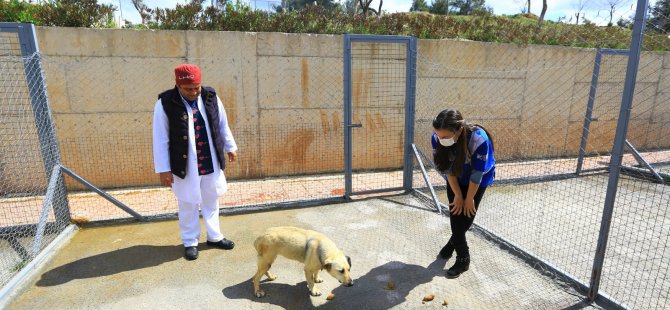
[140, 266]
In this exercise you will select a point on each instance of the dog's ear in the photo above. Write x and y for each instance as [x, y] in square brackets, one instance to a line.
[349, 261]
[328, 266]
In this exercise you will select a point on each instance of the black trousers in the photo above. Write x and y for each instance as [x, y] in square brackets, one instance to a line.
[461, 223]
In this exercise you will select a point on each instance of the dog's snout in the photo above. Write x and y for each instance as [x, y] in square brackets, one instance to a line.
[349, 283]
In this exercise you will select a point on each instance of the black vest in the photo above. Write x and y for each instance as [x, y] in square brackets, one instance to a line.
[177, 115]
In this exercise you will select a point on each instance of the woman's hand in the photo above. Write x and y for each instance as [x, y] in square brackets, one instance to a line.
[456, 207]
[469, 208]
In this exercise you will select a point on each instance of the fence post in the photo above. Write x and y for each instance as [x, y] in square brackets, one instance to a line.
[43, 119]
[410, 98]
[617, 149]
[347, 117]
[589, 110]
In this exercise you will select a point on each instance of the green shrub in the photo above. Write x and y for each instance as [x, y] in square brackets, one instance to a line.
[19, 11]
[64, 13]
[518, 29]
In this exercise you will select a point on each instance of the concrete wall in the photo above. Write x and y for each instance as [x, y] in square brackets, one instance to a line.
[534, 98]
[283, 96]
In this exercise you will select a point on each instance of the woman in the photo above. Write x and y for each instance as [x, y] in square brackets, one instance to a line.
[463, 153]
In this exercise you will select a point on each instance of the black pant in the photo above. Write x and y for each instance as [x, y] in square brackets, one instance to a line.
[461, 223]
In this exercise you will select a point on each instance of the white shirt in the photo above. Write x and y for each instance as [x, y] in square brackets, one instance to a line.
[188, 188]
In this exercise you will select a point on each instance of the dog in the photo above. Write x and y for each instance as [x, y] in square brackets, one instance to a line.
[312, 248]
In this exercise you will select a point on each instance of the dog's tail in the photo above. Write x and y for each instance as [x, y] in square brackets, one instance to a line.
[258, 244]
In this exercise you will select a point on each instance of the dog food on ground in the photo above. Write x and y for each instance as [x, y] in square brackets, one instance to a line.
[429, 297]
[445, 302]
[330, 296]
[390, 286]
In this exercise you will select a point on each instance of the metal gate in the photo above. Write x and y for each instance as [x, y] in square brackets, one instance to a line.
[379, 94]
[601, 119]
[33, 200]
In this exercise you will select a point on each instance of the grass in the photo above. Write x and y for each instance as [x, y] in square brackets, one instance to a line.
[20, 265]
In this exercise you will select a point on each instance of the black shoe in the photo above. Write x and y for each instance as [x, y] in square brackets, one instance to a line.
[447, 250]
[191, 252]
[462, 265]
[224, 244]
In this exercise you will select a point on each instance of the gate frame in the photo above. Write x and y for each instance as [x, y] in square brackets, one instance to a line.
[410, 100]
[41, 112]
[588, 118]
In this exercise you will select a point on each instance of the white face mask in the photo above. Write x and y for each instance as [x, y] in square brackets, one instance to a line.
[447, 142]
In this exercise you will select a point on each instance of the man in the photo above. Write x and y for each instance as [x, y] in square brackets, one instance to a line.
[190, 137]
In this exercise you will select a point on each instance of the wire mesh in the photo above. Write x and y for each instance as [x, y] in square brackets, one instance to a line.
[378, 99]
[33, 205]
[284, 106]
[523, 96]
[534, 99]
[284, 110]
[636, 269]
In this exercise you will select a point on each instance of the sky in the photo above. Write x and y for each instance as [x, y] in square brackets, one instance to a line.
[596, 10]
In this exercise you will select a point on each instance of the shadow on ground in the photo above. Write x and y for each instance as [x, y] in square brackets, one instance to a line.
[368, 290]
[105, 264]
[280, 294]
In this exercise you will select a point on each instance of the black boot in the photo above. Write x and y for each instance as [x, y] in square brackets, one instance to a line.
[447, 250]
[462, 265]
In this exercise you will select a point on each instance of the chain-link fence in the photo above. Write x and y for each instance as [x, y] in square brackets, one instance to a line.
[284, 110]
[33, 203]
[636, 269]
[284, 106]
[378, 112]
[553, 113]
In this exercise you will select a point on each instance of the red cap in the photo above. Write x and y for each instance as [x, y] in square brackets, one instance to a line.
[187, 74]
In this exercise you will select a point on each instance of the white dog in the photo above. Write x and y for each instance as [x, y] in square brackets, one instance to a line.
[313, 249]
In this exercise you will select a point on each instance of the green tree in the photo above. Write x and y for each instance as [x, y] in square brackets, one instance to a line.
[365, 6]
[350, 7]
[419, 6]
[440, 7]
[468, 7]
[660, 16]
[301, 4]
[143, 9]
[625, 23]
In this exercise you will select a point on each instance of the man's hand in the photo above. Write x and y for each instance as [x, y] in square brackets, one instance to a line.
[166, 178]
[232, 156]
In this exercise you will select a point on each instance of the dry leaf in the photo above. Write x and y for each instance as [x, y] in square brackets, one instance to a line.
[79, 220]
[390, 286]
[330, 296]
[429, 297]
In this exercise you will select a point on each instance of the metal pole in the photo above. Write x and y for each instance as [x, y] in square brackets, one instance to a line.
[46, 131]
[589, 110]
[617, 150]
[104, 195]
[347, 117]
[438, 206]
[643, 162]
[410, 98]
[44, 215]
